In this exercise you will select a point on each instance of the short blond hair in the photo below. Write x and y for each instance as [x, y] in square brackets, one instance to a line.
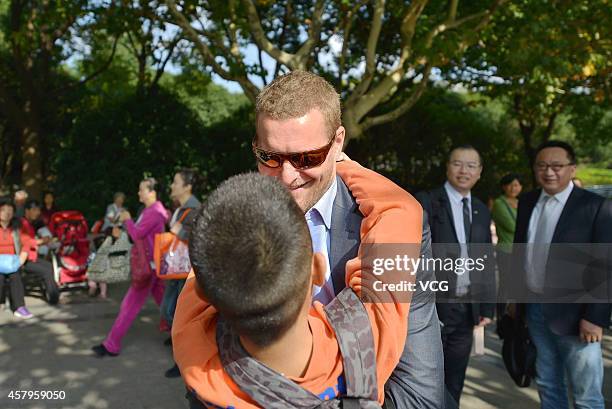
[295, 94]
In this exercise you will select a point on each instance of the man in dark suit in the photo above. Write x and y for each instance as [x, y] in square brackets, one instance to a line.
[567, 336]
[299, 139]
[418, 379]
[459, 222]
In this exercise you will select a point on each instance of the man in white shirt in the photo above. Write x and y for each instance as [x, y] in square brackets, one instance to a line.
[567, 336]
[460, 229]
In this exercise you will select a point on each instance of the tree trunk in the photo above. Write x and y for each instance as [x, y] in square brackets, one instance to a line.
[23, 138]
[31, 171]
[527, 131]
[350, 123]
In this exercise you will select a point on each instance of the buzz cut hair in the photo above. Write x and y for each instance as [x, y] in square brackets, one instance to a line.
[295, 94]
[251, 252]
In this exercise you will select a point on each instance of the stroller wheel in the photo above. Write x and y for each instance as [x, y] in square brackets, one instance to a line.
[51, 291]
[56, 267]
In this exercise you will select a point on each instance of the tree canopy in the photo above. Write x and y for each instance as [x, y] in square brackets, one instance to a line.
[341, 40]
[79, 78]
[546, 59]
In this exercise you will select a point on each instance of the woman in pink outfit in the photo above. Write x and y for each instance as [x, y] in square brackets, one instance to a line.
[151, 221]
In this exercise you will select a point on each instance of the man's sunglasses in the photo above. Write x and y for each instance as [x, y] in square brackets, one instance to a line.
[299, 160]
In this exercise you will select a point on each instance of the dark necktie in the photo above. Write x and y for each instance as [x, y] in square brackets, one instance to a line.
[463, 280]
[467, 225]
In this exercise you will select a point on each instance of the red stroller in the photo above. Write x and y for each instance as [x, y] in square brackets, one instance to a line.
[70, 259]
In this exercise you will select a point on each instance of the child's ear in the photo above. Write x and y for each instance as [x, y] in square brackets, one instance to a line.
[318, 269]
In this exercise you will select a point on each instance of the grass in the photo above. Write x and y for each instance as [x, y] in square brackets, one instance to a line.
[594, 176]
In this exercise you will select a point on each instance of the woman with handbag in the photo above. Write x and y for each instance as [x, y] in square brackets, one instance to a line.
[15, 247]
[110, 228]
[110, 264]
[181, 190]
[152, 220]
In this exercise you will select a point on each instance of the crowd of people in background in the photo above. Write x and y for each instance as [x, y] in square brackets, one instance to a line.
[431, 369]
[16, 247]
[153, 219]
[25, 233]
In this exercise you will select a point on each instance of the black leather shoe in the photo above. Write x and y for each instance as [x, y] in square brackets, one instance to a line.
[173, 372]
[101, 351]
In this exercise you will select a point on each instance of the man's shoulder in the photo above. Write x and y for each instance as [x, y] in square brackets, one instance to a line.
[591, 205]
[436, 193]
[344, 198]
[375, 184]
[430, 195]
[528, 197]
[590, 197]
[192, 203]
[583, 196]
[479, 204]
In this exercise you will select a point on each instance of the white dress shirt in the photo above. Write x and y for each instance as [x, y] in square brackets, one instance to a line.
[537, 253]
[318, 218]
[456, 203]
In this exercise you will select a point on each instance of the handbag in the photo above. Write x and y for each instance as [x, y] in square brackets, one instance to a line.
[111, 263]
[518, 351]
[139, 265]
[9, 263]
[171, 255]
[174, 264]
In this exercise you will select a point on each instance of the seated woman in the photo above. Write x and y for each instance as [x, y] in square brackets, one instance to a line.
[13, 242]
[113, 210]
[48, 207]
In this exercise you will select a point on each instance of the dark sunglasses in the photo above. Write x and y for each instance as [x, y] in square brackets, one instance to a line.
[299, 160]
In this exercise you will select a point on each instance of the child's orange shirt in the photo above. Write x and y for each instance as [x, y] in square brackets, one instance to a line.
[391, 215]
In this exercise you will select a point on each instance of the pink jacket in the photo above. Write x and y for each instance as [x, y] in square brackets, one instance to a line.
[151, 221]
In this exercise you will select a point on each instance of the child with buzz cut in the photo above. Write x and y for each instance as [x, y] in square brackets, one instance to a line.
[246, 332]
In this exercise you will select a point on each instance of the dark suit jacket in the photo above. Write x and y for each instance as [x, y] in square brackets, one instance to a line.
[418, 380]
[586, 218]
[446, 245]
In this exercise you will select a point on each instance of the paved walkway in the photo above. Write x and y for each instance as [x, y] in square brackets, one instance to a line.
[489, 386]
[51, 353]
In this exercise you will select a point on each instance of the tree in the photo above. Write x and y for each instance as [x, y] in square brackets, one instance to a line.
[413, 150]
[592, 124]
[149, 135]
[545, 59]
[341, 40]
[37, 39]
[148, 40]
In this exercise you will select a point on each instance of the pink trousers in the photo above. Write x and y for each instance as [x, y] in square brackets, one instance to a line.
[130, 307]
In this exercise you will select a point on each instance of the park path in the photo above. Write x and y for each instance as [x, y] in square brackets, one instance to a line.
[52, 353]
